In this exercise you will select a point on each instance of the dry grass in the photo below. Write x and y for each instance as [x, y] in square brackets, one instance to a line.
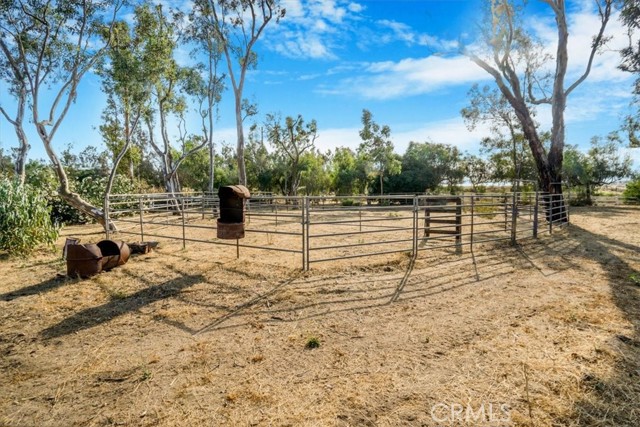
[195, 337]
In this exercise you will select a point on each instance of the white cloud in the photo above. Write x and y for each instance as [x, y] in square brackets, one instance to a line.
[355, 7]
[330, 139]
[328, 9]
[450, 131]
[583, 24]
[402, 32]
[313, 28]
[294, 9]
[386, 80]
[417, 76]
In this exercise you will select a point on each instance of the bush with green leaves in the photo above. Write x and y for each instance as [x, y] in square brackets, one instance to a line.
[631, 193]
[25, 221]
[89, 186]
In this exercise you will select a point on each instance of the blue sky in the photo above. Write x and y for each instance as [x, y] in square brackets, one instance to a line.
[329, 59]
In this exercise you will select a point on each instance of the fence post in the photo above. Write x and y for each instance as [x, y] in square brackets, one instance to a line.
[551, 212]
[184, 213]
[204, 195]
[459, 225]
[505, 213]
[141, 220]
[514, 216]
[107, 228]
[415, 226]
[568, 204]
[308, 225]
[535, 216]
[472, 222]
[304, 236]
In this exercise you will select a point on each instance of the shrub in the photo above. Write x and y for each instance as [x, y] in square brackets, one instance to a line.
[25, 221]
[631, 193]
[349, 202]
[92, 190]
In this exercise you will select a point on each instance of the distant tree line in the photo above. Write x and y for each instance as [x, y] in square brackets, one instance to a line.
[48, 47]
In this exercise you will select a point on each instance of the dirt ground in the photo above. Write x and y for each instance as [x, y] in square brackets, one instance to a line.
[543, 334]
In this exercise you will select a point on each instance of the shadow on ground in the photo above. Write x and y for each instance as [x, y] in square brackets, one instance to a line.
[618, 398]
[95, 316]
[614, 401]
[46, 286]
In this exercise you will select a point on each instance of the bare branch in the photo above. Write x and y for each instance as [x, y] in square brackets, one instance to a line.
[605, 14]
[6, 116]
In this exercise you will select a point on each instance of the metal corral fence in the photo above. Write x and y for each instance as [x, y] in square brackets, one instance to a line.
[329, 228]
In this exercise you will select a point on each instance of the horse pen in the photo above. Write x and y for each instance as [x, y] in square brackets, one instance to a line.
[399, 310]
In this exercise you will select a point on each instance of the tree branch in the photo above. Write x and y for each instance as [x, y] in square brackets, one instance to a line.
[597, 42]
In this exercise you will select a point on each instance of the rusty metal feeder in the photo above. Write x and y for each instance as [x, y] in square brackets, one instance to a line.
[230, 225]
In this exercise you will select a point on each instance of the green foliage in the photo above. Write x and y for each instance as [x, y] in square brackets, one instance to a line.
[349, 202]
[89, 183]
[291, 141]
[477, 169]
[315, 177]
[25, 221]
[377, 148]
[630, 16]
[312, 342]
[426, 166]
[601, 165]
[631, 192]
[194, 170]
[349, 172]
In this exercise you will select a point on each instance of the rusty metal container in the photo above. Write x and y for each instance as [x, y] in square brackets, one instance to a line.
[232, 203]
[83, 260]
[114, 253]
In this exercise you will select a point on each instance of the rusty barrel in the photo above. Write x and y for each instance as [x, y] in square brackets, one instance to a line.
[83, 260]
[114, 253]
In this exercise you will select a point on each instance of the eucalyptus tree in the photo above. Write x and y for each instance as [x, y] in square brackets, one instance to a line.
[427, 166]
[488, 105]
[630, 16]
[316, 173]
[290, 140]
[168, 85]
[601, 165]
[238, 24]
[17, 86]
[350, 172]
[516, 65]
[123, 80]
[48, 47]
[477, 169]
[261, 163]
[207, 90]
[377, 146]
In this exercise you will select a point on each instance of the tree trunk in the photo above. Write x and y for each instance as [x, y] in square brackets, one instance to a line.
[242, 173]
[21, 158]
[112, 177]
[23, 149]
[212, 158]
[73, 199]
